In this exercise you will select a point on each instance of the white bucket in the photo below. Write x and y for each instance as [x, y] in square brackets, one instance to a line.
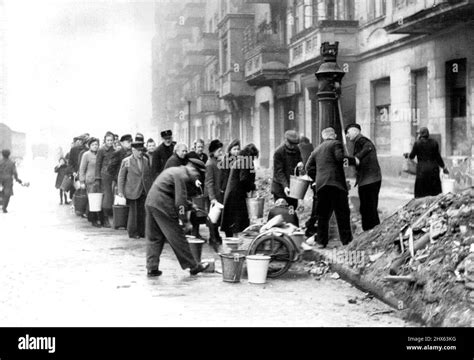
[448, 185]
[215, 212]
[257, 268]
[231, 244]
[95, 202]
[120, 201]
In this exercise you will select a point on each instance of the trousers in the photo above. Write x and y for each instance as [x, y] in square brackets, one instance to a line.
[161, 227]
[369, 201]
[332, 199]
[136, 217]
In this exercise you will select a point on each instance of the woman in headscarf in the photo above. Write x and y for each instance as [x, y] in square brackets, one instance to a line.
[235, 217]
[426, 150]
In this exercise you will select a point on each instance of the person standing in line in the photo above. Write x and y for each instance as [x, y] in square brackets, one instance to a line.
[368, 178]
[326, 166]
[104, 177]
[198, 152]
[179, 158]
[87, 177]
[134, 182]
[228, 159]
[150, 149]
[235, 217]
[8, 172]
[63, 170]
[286, 158]
[118, 155]
[213, 188]
[167, 204]
[162, 153]
[429, 161]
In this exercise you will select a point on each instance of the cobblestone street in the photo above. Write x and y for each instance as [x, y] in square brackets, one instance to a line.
[59, 271]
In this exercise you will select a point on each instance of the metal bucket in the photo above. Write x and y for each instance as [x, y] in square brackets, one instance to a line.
[298, 186]
[231, 244]
[196, 247]
[95, 201]
[255, 207]
[232, 265]
[80, 202]
[120, 216]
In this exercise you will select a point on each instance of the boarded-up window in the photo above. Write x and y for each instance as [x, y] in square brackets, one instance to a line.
[382, 115]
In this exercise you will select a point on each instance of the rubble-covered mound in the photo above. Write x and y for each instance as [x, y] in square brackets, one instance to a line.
[438, 281]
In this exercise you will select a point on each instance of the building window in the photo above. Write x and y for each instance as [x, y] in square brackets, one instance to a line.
[382, 128]
[375, 9]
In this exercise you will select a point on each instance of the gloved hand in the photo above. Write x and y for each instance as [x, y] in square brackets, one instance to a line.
[287, 191]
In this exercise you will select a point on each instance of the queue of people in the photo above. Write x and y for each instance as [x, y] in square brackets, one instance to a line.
[159, 184]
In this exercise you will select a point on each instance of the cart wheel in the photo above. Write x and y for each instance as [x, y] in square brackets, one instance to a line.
[279, 248]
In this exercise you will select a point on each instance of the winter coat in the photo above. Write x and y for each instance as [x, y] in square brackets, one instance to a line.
[169, 192]
[284, 164]
[235, 216]
[74, 160]
[160, 157]
[133, 181]
[87, 170]
[104, 161]
[116, 161]
[427, 182]
[368, 171]
[62, 171]
[326, 165]
[7, 174]
[213, 184]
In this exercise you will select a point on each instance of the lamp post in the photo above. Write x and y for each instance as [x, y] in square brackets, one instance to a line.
[329, 78]
[189, 124]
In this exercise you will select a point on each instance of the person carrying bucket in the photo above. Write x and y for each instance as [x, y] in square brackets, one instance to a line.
[285, 159]
[166, 204]
[213, 189]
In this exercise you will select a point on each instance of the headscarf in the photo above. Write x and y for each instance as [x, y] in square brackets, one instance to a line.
[424, 132]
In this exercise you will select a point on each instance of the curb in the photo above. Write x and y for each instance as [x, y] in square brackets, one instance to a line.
[360, 283]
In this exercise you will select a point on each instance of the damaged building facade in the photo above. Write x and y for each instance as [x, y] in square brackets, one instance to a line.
[245, 69]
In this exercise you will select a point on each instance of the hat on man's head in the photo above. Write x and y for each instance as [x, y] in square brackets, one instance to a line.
[139, 137]
[198, 164]
[353, 125]
[215, 145]
[166, 134]
[138, 145]
[292, 137]
[126, 137]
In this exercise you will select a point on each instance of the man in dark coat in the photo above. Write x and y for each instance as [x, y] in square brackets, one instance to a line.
[326, 166]
[166, 204]
[429, 161]
[162, 153]
[7, 174]
[134, 182]
[306, 148]
[75, 151]
[368, 178]
[285, 159]
[179, 158]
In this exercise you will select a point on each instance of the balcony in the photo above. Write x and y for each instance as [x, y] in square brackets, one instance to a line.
[266, 60]
[208, 44]
[207, 102]
[194, 14]
[193, 62]
[427, 16]
[305, 50]
[233, 85]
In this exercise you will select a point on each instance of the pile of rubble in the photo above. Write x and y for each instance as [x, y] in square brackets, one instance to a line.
[423, 255]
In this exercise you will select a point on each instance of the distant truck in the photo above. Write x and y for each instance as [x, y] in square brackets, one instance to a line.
[14, 141]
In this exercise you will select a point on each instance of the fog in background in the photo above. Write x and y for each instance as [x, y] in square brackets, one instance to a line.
[78, 66]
